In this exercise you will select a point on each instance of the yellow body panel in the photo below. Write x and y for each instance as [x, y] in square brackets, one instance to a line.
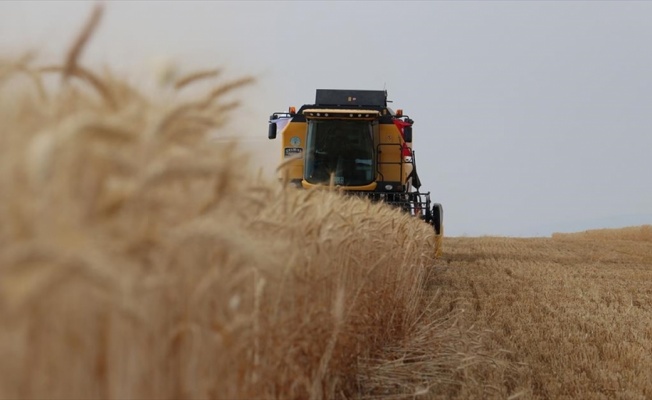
[293, 145]
[392, 167]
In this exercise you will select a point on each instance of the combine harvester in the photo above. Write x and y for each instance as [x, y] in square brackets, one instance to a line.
[350, 139]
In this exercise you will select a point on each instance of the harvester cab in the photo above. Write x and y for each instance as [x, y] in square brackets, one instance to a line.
[352, 140]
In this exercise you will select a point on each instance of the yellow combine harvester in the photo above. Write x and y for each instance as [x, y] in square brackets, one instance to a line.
[351, 139]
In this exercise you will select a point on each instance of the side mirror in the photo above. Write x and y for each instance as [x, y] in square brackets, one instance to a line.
[407, 134]
[271, 132]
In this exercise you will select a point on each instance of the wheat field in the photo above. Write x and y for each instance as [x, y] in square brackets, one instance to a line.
[142, 259]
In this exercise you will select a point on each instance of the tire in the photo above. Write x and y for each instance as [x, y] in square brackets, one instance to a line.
[437, 217]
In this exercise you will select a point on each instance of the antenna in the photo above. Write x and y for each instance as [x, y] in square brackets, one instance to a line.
[385, 90]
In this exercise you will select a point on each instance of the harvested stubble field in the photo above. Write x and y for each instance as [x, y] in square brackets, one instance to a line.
[141, 259]
[563, 317]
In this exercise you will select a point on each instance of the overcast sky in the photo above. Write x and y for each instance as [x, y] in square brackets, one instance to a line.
[530, 117]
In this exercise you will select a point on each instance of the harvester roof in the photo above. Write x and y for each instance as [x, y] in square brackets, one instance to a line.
[351, 98]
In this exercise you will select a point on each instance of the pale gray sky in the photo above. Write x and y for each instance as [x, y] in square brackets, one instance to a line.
[531, 117]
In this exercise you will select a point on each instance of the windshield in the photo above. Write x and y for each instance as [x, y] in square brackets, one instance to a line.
[340, 147]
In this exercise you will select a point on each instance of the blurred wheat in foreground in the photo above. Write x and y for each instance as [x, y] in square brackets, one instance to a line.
[138, 259]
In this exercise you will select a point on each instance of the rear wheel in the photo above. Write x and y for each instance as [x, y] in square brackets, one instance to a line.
[437, 217]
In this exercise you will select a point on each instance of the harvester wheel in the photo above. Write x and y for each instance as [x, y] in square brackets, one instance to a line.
[437, 218]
